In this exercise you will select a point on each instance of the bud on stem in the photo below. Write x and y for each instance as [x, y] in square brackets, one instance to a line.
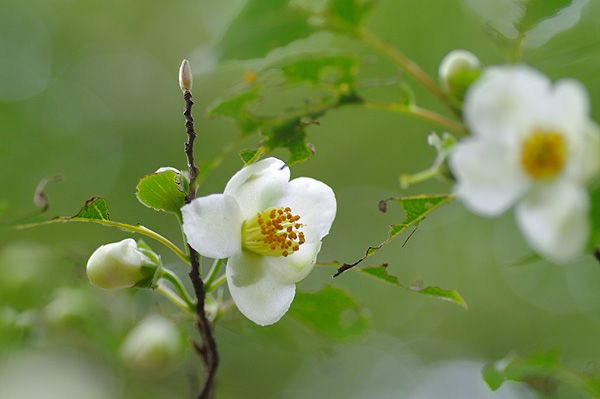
[185, 76]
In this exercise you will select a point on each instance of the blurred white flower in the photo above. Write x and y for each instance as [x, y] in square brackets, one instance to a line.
[122, 264]
[153, 345]
[269, 227]
[533, 144]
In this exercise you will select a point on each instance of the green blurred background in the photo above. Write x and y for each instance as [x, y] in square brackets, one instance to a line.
[89, 90]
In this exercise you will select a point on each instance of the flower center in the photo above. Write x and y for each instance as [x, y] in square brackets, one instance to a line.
[273, 232]
[543, 154]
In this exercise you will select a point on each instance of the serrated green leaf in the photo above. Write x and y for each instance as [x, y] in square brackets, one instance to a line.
[236, 106]
[161, 191]
[415, 208]
[443, 294]
[326, 69]
[262, 26]
[330, 312]
[94, 209]
[521, 368]
[381, 273]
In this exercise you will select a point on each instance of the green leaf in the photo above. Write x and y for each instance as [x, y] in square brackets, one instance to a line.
[516, 368]
[162, 191]
[262, 26]
[94, 209]
[248, 156]
[351, 13]
[545, 19]
[330, 312]
[236, 106]
[415, 209]
[381, 273]
[332, 76]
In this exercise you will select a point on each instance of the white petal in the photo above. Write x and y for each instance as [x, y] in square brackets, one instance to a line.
[258, 294]
[313, 201]
[213, 225]
[554, 220]
[257, 186]
[506, 102]
[571, 106]
[296, 266]
[488, 181]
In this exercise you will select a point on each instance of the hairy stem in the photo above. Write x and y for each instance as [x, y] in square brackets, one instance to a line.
[208, 348]
[405, 63]
[421, 113]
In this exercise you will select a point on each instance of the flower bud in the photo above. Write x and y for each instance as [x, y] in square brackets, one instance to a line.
[185, 76]
[153, 345]
[458, 70]
[122, 264]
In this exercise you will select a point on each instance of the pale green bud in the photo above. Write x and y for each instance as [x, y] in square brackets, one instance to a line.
[122, 264]
[457, 71]
[185, 76]
[153, 345]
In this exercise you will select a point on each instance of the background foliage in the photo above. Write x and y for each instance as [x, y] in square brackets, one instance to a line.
[89, 91]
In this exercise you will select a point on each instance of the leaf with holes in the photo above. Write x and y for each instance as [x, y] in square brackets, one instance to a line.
[415, 210]
[330, 312]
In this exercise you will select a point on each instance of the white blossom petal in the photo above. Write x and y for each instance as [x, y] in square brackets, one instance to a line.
[213, 225]
[257, 186]
[313, 201]
[257, 293]
[487, 179]
[505, 102]
[570, 106]
[297, 266]
[554, 220]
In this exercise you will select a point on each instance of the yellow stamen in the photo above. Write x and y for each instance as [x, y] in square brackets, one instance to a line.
[543, 154]
[273, 232]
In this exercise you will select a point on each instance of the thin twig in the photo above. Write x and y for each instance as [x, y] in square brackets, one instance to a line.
[208, 349]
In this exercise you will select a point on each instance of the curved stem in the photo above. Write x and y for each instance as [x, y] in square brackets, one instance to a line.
[405, 63]
[421, 113]
[174, 298]
[142, 230]
[171, 277]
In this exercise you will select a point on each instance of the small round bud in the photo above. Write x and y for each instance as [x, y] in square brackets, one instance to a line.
[458, 70]
[185, 76]
[121, 265]
[153, 345]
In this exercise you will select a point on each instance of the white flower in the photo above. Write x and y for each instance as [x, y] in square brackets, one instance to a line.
[533, 144]
[269, 227]
[122, 264]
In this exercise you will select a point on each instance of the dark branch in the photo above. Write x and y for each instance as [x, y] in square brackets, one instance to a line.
[208, 349]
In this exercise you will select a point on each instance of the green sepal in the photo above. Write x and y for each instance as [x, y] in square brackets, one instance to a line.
[151, 271]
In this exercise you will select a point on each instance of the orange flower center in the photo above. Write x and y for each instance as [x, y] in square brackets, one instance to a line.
[543, 154]
[273, 232]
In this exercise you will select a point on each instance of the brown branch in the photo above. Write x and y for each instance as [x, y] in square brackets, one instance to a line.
[207, 350]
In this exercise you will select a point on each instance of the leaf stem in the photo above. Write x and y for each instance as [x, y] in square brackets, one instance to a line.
[174, 298]
[139, 229]
[368, 37]
[418, 112]
[212, 274]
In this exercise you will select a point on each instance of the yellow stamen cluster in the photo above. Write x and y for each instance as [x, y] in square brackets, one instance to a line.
[273, 232]
[543, 154]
